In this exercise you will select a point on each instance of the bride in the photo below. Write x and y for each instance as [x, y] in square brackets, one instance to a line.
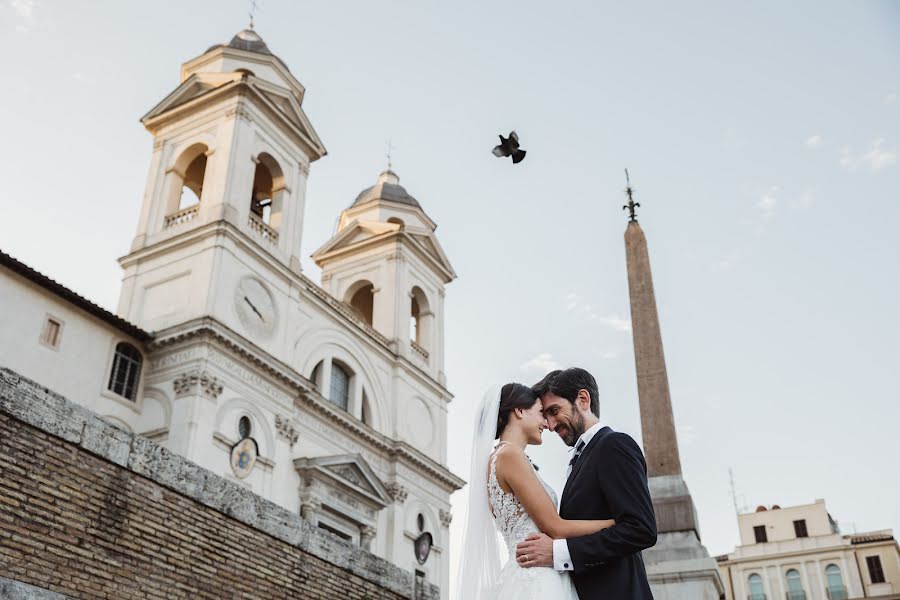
[504, 488]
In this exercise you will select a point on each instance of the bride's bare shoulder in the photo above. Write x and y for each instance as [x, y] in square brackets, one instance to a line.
[510, 457]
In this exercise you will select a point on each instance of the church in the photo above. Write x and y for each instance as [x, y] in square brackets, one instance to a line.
[328, 399]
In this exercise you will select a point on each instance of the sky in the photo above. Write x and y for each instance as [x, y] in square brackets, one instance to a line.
[762, 143]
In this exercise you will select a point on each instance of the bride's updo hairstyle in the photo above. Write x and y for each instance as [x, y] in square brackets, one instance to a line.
[513, 396]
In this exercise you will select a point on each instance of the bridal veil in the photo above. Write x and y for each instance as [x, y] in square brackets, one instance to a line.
[479, 564]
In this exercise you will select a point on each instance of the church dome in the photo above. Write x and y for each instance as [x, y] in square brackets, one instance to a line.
[387, 188]
[249, 40]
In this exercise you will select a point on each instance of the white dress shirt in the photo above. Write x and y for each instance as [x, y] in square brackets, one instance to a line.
[562, 560]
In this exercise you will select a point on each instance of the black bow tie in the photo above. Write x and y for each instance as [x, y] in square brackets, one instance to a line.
[578, 448]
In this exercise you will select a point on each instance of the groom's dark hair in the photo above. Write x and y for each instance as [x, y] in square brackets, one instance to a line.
[566, 384]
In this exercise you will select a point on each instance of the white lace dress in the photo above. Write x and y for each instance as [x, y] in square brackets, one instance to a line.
[516, 583]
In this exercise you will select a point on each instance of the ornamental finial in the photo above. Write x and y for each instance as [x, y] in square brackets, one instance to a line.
[631, 203]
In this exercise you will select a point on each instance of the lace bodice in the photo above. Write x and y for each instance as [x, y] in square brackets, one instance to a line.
[510, 516]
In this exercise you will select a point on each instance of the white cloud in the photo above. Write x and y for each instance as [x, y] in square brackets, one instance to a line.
[890, 98]
[576, 304]
[875, 159]
[767, 202]
[543, 362]
[813, 141]
[807, 198]
[616, 322]
[24, 10]
[610, 354]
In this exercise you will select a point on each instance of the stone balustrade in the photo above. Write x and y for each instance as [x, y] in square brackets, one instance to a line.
[183, 216]
[263, 230]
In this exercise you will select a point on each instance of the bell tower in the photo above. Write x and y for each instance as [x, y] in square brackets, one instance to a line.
[386, 264]
[223, 205]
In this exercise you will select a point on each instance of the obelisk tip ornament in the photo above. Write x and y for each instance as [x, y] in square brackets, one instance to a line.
[632, 217]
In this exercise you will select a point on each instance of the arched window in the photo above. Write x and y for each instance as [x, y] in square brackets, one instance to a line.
[126, 371]
[836, 590]
[414, 330]
[340, 386]
[420, 319]
[362, 300]
[244, 427]
[184, 185]
[192, 184]
[397, 221]
[266, 195]
[757, 592]
[795, 586]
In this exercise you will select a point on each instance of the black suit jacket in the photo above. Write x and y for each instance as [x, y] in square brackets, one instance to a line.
[609, 481]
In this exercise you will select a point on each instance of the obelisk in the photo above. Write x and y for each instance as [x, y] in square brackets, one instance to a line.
[678, 567]
[660, 448]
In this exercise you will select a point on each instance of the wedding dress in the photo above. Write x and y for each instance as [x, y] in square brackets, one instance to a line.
[480, 575]
[514, 524]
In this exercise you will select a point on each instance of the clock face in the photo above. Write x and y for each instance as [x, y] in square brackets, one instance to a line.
[254, 306]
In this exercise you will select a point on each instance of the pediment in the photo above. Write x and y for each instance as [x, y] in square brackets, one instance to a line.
[358, 232]
[281, 102]
[430, 245]
[194, 86]
[286, 105]
[354, 233]
[348, 471]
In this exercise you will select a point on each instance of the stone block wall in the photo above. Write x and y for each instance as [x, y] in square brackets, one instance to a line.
[88, 510]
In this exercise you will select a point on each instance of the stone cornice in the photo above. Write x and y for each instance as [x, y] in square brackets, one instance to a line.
[306, 395]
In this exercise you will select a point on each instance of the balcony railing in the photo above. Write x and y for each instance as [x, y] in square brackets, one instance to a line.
[836, 593]
[801, 595]
[262, 229]
[419, 349]
[182, 216]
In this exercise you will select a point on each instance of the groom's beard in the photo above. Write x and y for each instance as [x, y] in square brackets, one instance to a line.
[574, 429]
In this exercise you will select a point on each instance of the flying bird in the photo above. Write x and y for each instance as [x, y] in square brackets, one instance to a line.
[510, 147]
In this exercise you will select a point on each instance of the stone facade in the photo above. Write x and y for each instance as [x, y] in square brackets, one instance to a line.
[245, 365]
[88, 510]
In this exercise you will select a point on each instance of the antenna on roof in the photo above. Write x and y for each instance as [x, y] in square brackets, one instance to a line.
[738, 508]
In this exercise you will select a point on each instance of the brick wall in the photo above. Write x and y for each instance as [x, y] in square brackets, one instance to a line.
[90, 511]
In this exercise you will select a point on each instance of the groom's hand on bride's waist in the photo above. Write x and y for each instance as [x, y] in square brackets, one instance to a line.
[535, 551]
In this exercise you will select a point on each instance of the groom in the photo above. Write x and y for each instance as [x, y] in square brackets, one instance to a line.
[607, 478]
